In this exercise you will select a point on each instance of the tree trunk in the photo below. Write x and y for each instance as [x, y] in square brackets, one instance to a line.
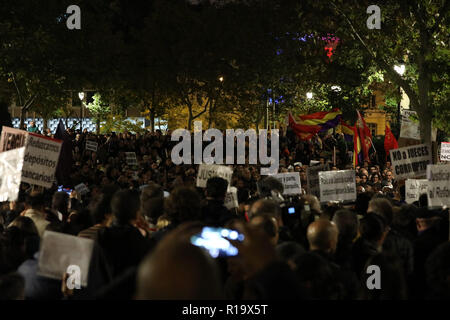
[152, 119]
[98, 125]
[22, 117]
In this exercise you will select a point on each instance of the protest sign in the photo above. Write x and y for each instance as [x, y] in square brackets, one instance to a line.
[11, 163]
[414, 188]
[59, 251]
[41, 155]
[231, 199]
[290, 181]
[81, 189]
[12, 139]
[313, 162]
[131, 158]
[438, 185]
[312, 179]
[337, 185]
[411, 162]
[445, 151]
[91, 145]
[206, 171]
[40, 160]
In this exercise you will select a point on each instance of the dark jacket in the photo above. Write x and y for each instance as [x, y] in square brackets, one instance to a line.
[123, 246]
[215, 214]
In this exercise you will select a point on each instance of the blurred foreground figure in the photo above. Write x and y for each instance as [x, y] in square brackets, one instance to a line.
[178, 270]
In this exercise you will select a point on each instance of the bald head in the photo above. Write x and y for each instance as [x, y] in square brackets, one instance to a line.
[323, 236]
[178, 270]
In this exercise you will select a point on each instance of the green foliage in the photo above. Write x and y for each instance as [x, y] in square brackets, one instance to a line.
[98, 109]
[118, 124]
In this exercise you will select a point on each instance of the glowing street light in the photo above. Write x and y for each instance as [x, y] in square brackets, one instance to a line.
[81, 96]
[309, 95]
[221, 79]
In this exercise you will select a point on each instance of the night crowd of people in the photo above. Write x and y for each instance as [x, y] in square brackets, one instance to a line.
[141, 218]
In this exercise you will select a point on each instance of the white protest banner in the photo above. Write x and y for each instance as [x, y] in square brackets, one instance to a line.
[445, 151]
[40, 160]
[313, 162]
[312, 179]
[59, 251]
[81, 189]
[206, 171]
[41, 155]
[438, 185]
[11, 163]
[337, 185]
[290, 181]
[231, 199]
[414, 188]
[91, 145]
[411, 162]
[410, 128]
[131, 158]
[12, 139]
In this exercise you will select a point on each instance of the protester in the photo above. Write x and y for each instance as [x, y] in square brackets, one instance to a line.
[141, 217]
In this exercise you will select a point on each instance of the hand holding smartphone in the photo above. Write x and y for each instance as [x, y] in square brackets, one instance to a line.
[215, 241]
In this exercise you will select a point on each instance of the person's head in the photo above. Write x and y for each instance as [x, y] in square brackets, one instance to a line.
[287, 251]
[438, 272]
[177, 270]
[373, 228]
[383, 208]
[216, 188]
[347, 223]
[268, 224]
[322, 236]
[25, 224]
[269, 184]
[35, 201]
[425, 219]
[152, 202]
[125, 206]
[389, 175]
[266, 207]
[183, 205]
[313, 202]
[60, 202]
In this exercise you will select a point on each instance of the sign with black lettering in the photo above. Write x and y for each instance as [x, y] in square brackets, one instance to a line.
[414, 188]
[438, 185]
[291, 182]
[206, 171]
[91, 145]
[131, 158]
[445, 151]
[337, 185]
[411, 162]
[231, 199]
[41, 155]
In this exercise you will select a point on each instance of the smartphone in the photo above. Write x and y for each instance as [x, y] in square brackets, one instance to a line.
[291, 210]
[66, 190]
[214, 240]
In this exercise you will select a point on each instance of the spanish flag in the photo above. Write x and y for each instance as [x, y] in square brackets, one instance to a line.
[309, 125]
[357, 150]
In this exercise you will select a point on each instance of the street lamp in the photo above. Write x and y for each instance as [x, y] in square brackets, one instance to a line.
[221, 79]
[309, 95]
[81, 96]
